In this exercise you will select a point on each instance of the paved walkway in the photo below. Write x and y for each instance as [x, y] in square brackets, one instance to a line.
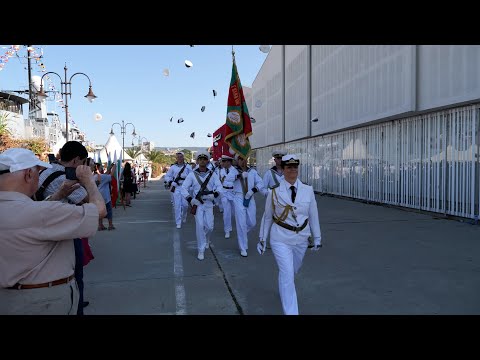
[375, 260]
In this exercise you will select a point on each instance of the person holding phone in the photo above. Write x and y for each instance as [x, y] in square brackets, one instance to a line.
[72, 155]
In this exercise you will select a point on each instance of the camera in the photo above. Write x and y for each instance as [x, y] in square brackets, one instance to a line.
[51, 158]
[71, 173]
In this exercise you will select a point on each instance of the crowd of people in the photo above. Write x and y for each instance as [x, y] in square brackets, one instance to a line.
[60, 204]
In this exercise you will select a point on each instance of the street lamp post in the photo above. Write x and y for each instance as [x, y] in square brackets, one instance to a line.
[140, 138]
[123, 127]
[66, 89]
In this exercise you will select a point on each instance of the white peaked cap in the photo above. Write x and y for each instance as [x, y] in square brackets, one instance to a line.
[290, 159]
[278, 152]
[202, 153]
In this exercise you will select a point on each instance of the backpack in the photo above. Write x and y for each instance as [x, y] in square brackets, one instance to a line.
[39, 194]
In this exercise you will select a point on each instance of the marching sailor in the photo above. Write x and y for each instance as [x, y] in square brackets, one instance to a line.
[291, 216]
[205, 187]
[246, 182]
[173, 180]
[272, 178]
[227, 196]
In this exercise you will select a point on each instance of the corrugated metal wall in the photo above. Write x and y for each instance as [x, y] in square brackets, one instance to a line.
[427, 162]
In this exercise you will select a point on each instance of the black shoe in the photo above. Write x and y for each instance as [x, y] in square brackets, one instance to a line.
[85, 303]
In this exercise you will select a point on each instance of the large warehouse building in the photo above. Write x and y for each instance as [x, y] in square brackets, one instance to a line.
[395, 124]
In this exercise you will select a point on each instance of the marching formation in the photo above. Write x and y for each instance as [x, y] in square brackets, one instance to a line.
[288, 224]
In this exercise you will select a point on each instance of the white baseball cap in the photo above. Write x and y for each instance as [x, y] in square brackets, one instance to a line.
[17, 159]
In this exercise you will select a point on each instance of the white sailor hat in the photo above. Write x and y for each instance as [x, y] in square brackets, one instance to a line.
[226, 157]
[278, 153]
[203, 154]
[179, 152]
[290, 159]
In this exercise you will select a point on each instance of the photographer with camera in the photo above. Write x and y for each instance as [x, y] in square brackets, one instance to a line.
[72, 155]
[37, 258]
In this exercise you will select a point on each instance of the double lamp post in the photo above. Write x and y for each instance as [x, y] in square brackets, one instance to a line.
[123, 127]
[66, 89]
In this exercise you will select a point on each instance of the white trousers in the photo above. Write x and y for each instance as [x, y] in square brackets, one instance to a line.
[228, 208]
[180, 206]
[244, 219]
[204, 224]
[289, 260]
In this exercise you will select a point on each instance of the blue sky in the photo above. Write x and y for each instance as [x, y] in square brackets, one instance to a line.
[130, 86]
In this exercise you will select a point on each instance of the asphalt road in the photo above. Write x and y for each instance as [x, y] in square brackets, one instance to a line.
[374, 260]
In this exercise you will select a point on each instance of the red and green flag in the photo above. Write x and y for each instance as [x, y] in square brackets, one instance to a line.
[238, 125]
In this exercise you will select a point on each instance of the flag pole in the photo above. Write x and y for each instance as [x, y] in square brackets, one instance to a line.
[233, 54]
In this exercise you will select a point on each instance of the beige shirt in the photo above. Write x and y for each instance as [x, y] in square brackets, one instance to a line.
[36, 238]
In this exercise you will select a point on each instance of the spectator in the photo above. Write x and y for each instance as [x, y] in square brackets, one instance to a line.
[37, 257]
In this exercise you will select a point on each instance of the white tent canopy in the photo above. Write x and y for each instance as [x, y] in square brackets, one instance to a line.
[111, 147]
[141, 158]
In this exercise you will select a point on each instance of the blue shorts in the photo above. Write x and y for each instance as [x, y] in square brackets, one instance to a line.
[109, 210]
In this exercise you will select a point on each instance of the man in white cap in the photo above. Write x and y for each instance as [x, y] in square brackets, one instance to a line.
[37, 258]
[273, 175]
[246, 182]
[291, 216]
[205, 186]
[227, 196]
[174, 179]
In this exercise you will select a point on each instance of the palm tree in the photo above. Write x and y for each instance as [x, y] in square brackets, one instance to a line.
[154, 156]
[133, 153]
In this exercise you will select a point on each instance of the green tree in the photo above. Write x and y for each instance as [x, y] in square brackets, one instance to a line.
[154, 156]
[4, 124]
[133, 153]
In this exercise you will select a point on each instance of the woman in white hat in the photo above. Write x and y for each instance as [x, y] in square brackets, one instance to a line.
[291, 216]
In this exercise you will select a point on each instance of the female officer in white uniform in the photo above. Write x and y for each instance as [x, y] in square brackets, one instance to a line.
[291, 215]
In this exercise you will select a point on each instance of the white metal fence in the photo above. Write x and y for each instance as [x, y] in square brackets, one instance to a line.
[427, 162]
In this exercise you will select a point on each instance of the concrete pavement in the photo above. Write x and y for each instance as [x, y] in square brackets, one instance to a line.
[375, 260]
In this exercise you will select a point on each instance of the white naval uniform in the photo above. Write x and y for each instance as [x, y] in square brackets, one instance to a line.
[227, 197]
[245, 217]
[204, 216]
[180, 205]
[289, 247]
[218, 200]
[270, 179]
